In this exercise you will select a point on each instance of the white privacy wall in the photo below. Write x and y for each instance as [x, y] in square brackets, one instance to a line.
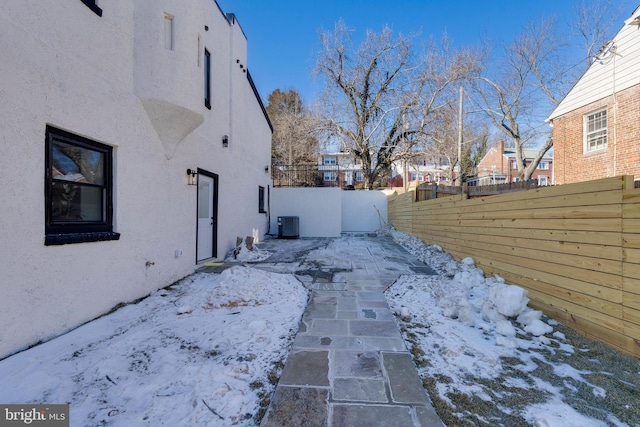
[363, 211]
[319, 210]
[327, 212]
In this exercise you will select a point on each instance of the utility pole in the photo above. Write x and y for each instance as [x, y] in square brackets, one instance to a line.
[405, 173]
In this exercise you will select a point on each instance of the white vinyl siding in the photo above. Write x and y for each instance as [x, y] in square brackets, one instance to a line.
[617, 71]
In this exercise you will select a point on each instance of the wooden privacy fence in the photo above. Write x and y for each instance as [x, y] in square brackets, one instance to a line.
[429, 191]
[575, 248]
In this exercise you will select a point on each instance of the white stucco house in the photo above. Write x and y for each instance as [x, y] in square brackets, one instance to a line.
[105, 106]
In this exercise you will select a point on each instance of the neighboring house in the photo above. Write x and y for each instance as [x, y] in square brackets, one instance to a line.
[596, 127]
[499, 166]
[421, 169]
[331, 170]
[105, 107]
[339, 170]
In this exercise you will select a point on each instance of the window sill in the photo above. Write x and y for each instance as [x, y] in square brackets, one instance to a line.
[593, 153]
[70, 238]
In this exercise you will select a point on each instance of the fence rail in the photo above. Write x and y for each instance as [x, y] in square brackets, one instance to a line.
[574, 247]
[431, 191]
[314, 175]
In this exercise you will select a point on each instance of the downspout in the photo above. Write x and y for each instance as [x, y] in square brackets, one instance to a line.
[231, 79]
[615, 120]
[564, 152]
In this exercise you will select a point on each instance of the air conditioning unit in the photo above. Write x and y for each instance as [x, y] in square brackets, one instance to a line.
[288, 227]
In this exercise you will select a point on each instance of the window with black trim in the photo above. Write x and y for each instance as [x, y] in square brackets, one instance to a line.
[78, 189]
[93, 5]
[261, 200]
[207, 79]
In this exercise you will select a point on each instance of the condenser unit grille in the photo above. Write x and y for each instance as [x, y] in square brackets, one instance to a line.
[288, 227]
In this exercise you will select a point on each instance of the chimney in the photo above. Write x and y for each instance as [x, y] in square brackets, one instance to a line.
[500, 147]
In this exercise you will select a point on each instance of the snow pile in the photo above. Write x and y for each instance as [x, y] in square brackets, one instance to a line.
[244, 254]
[465, 325]
[486, 303]
[433, 255]
[198, 353]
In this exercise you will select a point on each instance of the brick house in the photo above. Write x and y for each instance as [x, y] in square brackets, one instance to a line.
[499, 166]
[596, 127]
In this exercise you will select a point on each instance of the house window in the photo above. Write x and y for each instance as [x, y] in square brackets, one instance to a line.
[595, 130]
[261, 200]
[330, 161]
[78, 189]
[543, 180]
[330, 176]
[168, 31]
[359, 177]
[207, 79]
[543, 165]
[93, 5]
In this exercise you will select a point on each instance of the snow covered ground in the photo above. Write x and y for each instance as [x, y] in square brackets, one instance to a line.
[198, 353]
[209, 350]
[489, 359]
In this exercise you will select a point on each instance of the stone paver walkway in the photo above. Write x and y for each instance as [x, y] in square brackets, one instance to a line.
[348, 365]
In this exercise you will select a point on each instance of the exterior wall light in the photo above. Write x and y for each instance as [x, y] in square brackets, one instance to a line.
[225, 141]
[192, 177]
[266, 169]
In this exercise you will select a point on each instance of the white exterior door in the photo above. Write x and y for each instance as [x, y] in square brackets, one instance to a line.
[207, 201]
[348, 178]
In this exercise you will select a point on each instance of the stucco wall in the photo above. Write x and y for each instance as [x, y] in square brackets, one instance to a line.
[327, 212]
[319, 210]
[363, 211]
[67, 67]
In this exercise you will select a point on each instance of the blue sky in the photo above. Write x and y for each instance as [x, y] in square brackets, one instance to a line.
[283, 34]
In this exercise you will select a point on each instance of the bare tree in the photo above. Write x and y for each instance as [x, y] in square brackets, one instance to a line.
[594, 21]
[443, 141]
[527, 80]
[293, 141]
[379, 96]
[534, 74]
